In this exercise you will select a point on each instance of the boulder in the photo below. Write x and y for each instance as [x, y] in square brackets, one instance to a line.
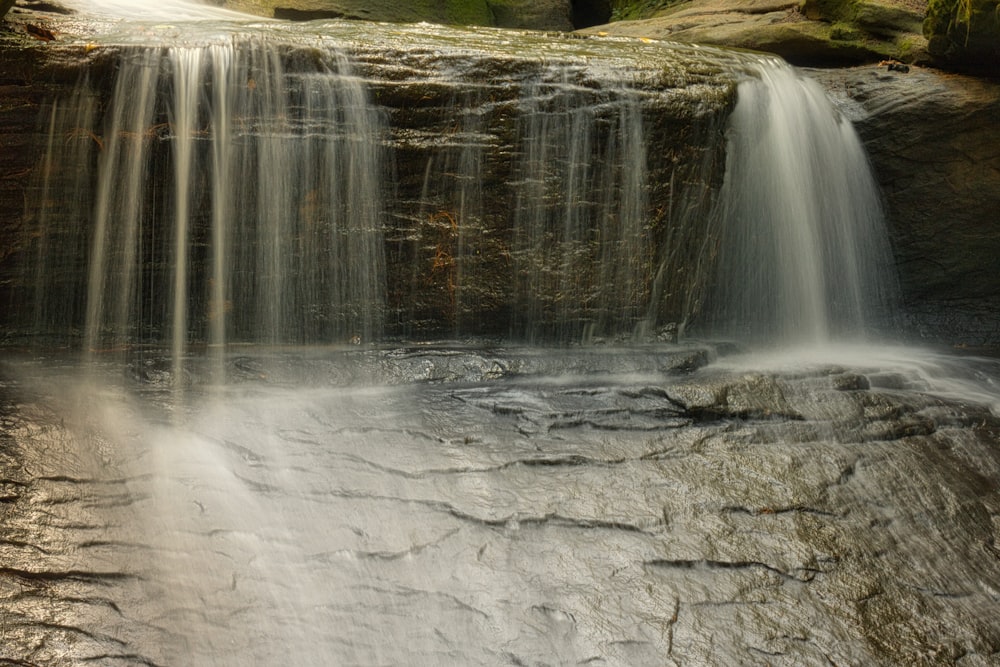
[814, 32]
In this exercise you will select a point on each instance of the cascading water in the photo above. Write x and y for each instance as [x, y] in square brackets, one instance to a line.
[596, 243]
[229, 208]
[269, 228]
[253, 207]
[804, 257]
[276, 175]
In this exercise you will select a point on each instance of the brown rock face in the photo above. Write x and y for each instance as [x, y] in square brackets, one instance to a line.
[932, 139]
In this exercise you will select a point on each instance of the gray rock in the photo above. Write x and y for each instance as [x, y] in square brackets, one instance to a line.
[514, 518]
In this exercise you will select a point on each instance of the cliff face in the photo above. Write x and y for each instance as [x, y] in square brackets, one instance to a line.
[932, 140]
[24, 89]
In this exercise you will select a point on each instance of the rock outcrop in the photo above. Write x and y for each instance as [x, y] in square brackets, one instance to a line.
[932, 139]
[459, 107]
[814, 32]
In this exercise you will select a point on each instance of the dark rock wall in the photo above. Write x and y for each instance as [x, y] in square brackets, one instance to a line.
[965, 34]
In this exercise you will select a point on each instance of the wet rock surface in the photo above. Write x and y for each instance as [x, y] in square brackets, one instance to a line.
[480, 506]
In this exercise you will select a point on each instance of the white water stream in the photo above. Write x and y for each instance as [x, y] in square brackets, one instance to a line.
[805, 258]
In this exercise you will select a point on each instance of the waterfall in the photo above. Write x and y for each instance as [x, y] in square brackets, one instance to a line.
[260, 222]
[804, 255]
[583, 245]
[249, 191]
[267, 454]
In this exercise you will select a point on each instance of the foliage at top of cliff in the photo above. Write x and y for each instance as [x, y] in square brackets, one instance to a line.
[965, 34]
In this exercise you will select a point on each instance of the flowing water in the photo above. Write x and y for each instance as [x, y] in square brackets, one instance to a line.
[228, 444]
[804, 254]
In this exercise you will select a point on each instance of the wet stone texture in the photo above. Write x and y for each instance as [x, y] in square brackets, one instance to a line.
[468, 506]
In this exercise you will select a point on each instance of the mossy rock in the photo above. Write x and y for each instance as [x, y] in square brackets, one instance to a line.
[965, 34]
[631, 10]
[5, 6]
[804, 43]
[845, 32]
[531, 14]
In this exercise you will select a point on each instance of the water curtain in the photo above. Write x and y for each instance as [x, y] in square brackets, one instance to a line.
[248, 192]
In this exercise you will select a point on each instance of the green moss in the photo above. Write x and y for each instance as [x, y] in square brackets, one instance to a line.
[467, 12]
[843, 32]
[905, 48]
[882, 19]
[455, 12]
[829, 10]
